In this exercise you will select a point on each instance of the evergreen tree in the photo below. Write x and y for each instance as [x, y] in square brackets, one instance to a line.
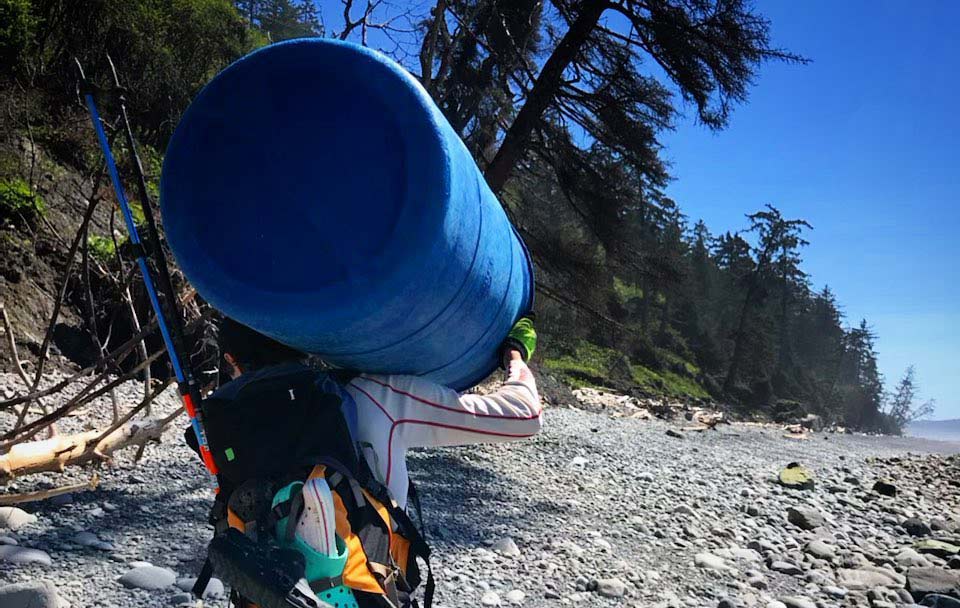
[902, 408]
[592, 76]
[282, 19]
[863, 383]
[776, 252]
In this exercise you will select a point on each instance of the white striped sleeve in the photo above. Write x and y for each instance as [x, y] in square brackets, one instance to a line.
[426, 414]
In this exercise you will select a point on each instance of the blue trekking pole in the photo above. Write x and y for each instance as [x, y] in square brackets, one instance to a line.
[187, 385]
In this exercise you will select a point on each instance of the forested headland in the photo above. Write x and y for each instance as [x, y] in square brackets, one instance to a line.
[561, 102]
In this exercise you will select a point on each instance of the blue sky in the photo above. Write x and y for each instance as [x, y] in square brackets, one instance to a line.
[862, 143]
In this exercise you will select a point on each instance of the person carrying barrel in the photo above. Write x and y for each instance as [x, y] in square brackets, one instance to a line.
[325, 452]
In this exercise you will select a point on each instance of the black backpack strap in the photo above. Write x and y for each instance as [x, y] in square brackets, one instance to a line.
[218, 518]
[203, 579]
[429, 586]
[414, 499]
[418, 543]
[373, 535]
[325, 584]
[293, 516]
[342, 376]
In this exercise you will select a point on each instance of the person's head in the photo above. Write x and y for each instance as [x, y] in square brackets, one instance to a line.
[247, 350]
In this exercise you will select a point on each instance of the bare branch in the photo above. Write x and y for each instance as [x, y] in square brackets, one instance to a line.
[117, 355]
[12, 344]
[65, 281]
[144, 404]
[15, 499]
[73, 404]
[429, 48]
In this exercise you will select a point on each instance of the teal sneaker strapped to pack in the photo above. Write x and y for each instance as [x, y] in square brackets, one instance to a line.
[311, 522]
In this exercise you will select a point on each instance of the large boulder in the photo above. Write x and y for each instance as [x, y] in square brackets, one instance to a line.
[820, 550]
[916, 527]
[934, 600]
[24, 555]
[611, 587]
[910, 558]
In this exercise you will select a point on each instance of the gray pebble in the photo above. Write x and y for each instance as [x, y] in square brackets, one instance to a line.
[786, 568]
[506, 546]
[148, 577]
[798, 601]
[214, 590]
[710, 562]
[515, 597]
[611, 587]
[89, 539]
[24, 555]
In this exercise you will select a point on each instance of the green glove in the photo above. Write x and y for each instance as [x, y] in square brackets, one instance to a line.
[523, 337]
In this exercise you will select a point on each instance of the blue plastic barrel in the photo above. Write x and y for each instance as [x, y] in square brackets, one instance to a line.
[314, 192]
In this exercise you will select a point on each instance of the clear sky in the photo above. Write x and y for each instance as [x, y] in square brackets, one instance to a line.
[863, 144]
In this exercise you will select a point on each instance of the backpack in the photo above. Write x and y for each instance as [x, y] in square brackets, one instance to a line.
[287, 425]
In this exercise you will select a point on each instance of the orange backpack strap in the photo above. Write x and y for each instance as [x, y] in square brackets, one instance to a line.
[366, 512]
[418, 546]
[356, 574]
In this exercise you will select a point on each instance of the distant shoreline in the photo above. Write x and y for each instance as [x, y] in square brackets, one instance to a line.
[938, 430]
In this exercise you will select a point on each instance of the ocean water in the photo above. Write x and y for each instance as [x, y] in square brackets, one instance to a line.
[941, 430]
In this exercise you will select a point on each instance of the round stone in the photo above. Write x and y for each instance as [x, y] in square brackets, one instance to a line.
[148, 577]
[23, 555]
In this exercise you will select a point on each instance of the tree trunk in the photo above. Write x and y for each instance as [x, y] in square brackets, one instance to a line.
[644, 275]
[664, 321]
[736, 359]
[543, 92]
[784, 355]
[429, 48]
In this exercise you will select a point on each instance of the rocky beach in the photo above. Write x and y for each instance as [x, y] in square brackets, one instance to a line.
[605, 508]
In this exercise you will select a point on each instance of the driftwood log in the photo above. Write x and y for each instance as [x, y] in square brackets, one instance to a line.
[706, 421]
[56, 453]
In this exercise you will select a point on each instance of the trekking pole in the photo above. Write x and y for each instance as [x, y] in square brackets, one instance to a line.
[153, 245]
[189, 391]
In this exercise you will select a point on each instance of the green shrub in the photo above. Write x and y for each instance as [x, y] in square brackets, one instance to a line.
[678, 364]
[18, 201]
[668, 383]
[136, 210]
[17, 27]
[152, 164]
[101, 248]
[626, 291]
[586, 365]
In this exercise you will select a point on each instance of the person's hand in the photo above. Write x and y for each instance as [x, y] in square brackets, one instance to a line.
[521, 340]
